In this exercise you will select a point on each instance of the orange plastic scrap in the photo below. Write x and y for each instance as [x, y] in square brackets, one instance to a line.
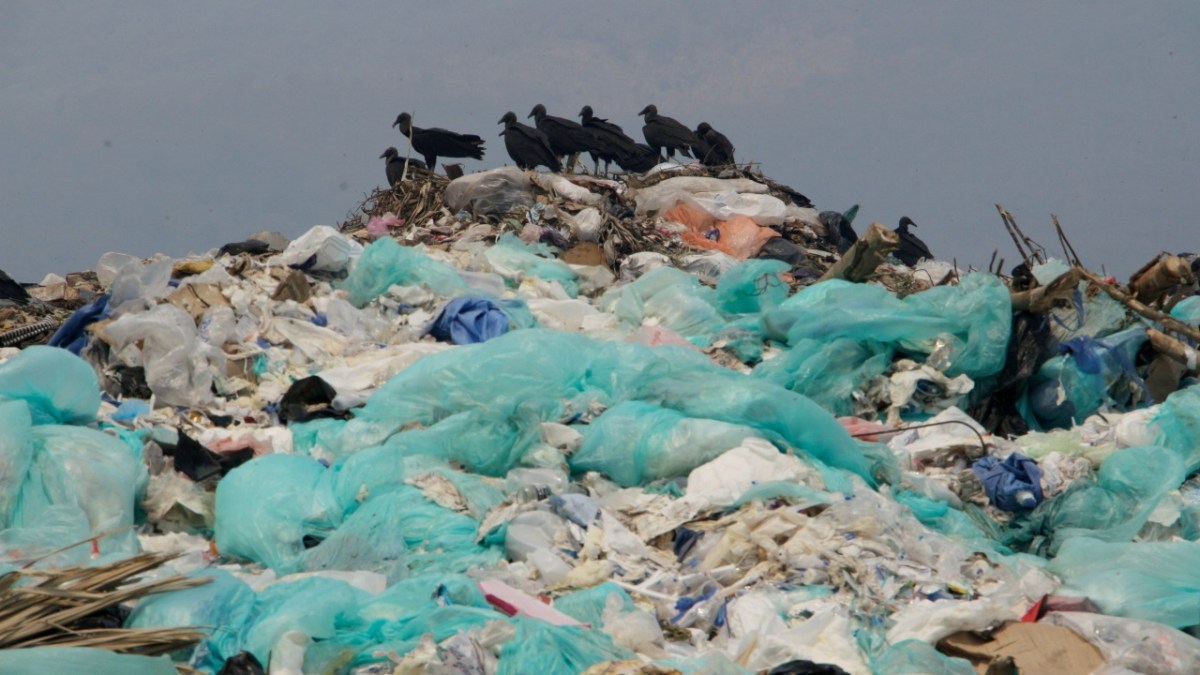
[739, 236]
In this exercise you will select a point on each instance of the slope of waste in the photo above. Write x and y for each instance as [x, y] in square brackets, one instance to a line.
[675, 423]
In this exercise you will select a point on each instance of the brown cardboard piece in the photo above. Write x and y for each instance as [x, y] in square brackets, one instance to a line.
[195, 299]
[1035, 649]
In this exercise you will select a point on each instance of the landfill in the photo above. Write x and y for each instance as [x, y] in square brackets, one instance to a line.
[671, 422]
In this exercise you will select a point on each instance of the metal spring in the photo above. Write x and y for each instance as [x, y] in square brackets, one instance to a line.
[16, 336]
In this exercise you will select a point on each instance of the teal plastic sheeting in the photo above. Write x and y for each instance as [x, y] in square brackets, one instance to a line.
[1153, 581]
[513, 259]
[556, 650]
[386, 263]
[1178, 420]
[59, 387]
[1188, 310]
[943, 518]
[829, 373]
[635, 443]
[752, 286]
[223, 606]
[587, 604]
[265, 508]
[79, 470]
[968, 325]
[1093, 374]
[1127, 488]
[298, 523]
[671, 296]
[16, 454]
[484, 404]
[47, 660]
[913, 657]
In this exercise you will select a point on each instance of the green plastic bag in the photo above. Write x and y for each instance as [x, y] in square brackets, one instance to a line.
[386, 263]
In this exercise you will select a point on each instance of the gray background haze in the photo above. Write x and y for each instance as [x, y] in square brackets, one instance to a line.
[166, 126]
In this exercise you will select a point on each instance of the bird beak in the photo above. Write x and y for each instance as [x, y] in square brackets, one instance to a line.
[502, 132]
[644, 110]
[383, 155]
[529, 115]
[396, 123]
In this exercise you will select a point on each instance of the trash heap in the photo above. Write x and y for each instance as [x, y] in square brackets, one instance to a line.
[527, 422]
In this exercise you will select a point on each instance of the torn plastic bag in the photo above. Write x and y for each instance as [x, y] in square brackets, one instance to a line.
[1151, 581]
[587, 604]
[46, 660]
[199, 463]
[751, 287]
[965, 326]
[542, 648]
[563, 188]
[16, 454]
[637, 264]
[321, 250]
[86, 470]
[59, 387]
[386, 263]
[490, 193]
[739, 236]
[1011, 484]
[138, 285]
[586, 225]
[835, 373]
[179, 366]
[468, 320]
[673, 297]
[634, 443]
[1090, 375]
[71, 335]
[1116, 505]
[308, 399]
[1178, 419]
[783, 250]
[266, 507]
[1138, 646]
[707, 266]
[513, 259]
[224, 602]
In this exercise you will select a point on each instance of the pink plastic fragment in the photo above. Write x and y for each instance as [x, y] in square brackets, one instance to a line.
[514, 602]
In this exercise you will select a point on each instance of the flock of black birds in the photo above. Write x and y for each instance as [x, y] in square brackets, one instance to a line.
[555, 142]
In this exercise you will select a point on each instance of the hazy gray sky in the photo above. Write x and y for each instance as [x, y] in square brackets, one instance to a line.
[155, 126]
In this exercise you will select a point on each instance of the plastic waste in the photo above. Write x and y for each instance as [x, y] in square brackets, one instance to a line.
[637, 264]
[70, 335]
[468, 320]
[1011, 484]
[542, 648]
[490, 193]
[179, 366]
[16, 454]
[751, 287]
[1138, 646]
[58, 387]
[586, 225]
[321, 250]
[1178, 419]
[42, 660]
[385, 263]
[513, 259]
[1150, 581]
[139, 285]
[308, 399]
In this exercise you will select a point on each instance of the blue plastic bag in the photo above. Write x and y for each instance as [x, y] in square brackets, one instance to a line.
[1012, 484]
[467, 320]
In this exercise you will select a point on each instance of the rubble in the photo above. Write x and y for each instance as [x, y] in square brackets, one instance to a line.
[520, 421]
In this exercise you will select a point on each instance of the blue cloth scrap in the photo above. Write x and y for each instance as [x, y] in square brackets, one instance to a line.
[468, 320]
[71, 335]
[1005, 481]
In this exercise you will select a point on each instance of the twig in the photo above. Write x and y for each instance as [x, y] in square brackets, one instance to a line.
[1009, 227]
[1068, 249]
[404, 175]
[1136, 305]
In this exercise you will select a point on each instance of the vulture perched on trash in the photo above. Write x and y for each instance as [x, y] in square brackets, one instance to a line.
[838, 231]
[911, 249]
[434, 142]
[663, 132]
[527, 146]
[609, 141]
[638, 158]
[395, 165]
[567, 137]
[714, 149]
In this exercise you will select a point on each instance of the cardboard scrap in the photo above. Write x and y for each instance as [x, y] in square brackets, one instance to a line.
[195, 299]
[1032, 648]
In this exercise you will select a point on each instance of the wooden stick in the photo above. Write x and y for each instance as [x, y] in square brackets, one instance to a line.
[1176, 350]
[1007, 220]
[860, 261]
[1068, 249]
[1168, 321]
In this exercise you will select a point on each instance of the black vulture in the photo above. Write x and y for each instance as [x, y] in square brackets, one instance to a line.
[637, 157]
[717, 150]
[838, 230]
[434, 142]
[664, 132]
[911, 249]
[610, 142]
[568, 138]
[527, 146]
[395, 165]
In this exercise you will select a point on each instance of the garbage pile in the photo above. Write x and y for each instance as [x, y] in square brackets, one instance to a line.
[677, 423]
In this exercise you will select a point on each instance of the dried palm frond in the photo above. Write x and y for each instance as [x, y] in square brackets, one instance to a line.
[63, 607]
